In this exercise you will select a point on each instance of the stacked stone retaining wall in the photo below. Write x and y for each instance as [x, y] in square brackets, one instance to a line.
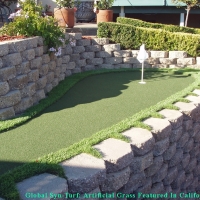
[164, 162]
[28, 72]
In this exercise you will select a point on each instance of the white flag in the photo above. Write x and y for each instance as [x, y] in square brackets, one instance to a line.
[142, 55]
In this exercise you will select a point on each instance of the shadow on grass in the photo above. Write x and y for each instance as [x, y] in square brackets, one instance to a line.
[98, 87]
[104, 86]
[8, 180]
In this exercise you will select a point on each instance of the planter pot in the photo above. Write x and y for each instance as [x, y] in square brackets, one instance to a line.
[104, 16]
[65, 17]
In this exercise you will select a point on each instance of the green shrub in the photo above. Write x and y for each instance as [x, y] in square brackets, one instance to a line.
[171, 28]
[131, 37]
[29, 22]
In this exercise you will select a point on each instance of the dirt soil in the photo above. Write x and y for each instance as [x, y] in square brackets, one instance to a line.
[6, 37]
[88, 37]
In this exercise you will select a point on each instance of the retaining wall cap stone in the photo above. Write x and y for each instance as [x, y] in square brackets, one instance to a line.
[43, 183]
[116, 153]
[159, 54]
[111, 47]
[196, 91]
[82, 170]
[161, 128]
[100, 41]
[17, 46]
[142, 140]
[194, 99]
[173, 116]
[177, 54]
[186, 108]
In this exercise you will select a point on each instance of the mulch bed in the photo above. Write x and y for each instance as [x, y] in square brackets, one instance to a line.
[7, 37]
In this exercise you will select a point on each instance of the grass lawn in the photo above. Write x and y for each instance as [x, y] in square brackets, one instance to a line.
[95, 103]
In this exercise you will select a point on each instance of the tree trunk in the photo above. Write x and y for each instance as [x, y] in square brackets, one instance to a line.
[186, 19]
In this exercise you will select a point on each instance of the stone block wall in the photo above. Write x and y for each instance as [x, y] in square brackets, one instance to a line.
[164, 162]
[28, 72]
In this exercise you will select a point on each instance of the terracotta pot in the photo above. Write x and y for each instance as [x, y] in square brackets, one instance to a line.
[104, 16]
[65, 16]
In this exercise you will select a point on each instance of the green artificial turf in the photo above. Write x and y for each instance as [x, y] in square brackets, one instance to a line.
[95, 103]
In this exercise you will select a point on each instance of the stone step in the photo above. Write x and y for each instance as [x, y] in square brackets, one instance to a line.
[82, 170]
[41, 186]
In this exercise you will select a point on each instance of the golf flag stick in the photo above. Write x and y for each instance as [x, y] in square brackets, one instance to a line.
[142, 56]
[142, 82]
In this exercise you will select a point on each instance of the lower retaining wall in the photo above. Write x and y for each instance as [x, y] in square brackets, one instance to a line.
[164, 161]
[28, 73]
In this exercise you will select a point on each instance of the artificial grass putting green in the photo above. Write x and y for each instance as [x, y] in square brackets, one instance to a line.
[93, 104]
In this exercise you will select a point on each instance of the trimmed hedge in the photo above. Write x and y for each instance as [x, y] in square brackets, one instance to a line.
[167, 27]
[131, 37]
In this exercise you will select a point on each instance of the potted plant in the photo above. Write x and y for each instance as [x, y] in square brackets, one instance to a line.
[64, 13]
[47, 10]
[101, 8]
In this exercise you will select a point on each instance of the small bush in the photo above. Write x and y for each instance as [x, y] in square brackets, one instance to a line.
[131, 37]
[29, 22]
[171, 28]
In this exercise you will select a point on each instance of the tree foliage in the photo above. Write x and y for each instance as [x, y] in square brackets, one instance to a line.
[190, 4]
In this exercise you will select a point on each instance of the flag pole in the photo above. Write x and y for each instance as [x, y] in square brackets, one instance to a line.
[142, 82]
